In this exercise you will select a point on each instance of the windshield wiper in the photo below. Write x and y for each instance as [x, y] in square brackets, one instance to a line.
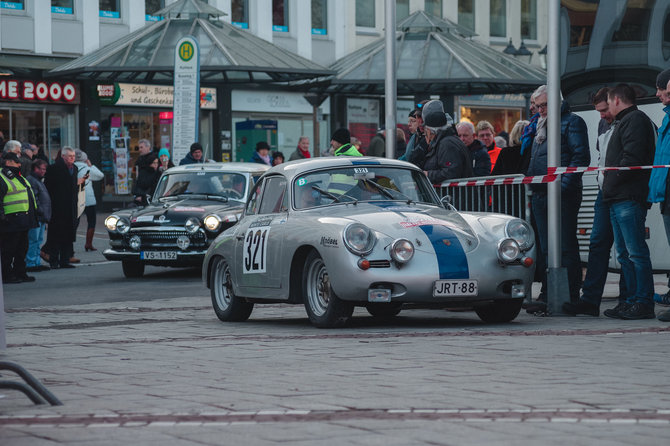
[386, 191]
[335, 198]
[206, 195]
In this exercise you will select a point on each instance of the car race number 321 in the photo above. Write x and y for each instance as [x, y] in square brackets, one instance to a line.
[255, 250]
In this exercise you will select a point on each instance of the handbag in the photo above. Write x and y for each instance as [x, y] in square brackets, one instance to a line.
[81, 199]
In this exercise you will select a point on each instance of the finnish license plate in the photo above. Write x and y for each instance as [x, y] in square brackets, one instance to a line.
[158, 255]
[444, 288]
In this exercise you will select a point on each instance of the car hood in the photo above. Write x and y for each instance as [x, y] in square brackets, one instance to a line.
[175, 213]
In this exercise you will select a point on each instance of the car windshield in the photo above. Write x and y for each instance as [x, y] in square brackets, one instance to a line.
[365, 183]
[232, 186]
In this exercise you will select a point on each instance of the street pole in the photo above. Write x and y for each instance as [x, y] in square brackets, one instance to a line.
[557, 277]
[390, 86]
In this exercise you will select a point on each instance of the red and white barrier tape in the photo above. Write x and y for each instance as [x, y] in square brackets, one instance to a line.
[561, 170]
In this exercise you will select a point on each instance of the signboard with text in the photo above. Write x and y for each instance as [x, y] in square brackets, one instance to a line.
[145, 95]
[186, 105]
[39, 91]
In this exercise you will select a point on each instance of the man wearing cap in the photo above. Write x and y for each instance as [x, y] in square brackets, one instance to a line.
[194, 156]
[341, 143]
[418, 139]
[659, 182]
[17, 217]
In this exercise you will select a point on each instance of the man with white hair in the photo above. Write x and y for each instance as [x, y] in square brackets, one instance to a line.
[481, 161]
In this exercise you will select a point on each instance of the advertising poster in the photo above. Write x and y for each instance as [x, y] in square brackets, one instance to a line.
[363, 119]
[121, 167]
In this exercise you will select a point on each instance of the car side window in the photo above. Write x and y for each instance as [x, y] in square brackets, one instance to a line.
[254, 199]
[273, 198]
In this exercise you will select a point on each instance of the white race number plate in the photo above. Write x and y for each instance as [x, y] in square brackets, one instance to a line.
[444, 288]
[255, 250]
[158, 255]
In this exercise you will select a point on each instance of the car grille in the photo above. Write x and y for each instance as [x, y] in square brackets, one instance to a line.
[380, 263]
[166, 239]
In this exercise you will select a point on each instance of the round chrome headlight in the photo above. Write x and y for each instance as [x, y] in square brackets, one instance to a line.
[212, 222]
[110, 222]
[192, 225]
[123, 225]
[508, 250]
[402, 250]
[359, 239]
[183, 242]
[520, 231]
[135, 242]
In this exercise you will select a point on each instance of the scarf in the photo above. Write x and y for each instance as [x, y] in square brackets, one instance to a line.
[529, 133]
[541, 132]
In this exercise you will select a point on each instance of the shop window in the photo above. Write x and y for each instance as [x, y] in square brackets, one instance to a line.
[498, 18]
[635, 24]
[401, 9]
[365, 13]
[466, 14]
[62, 6]
[240, 13]
[582, 16]
[529, 18]
[109, 9]
[4, 125]
[150, 9]
[433, 7]
[280, 16]
[319, 17]
[16, 4]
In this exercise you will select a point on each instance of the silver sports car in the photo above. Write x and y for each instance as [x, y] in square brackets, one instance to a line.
[334, 233]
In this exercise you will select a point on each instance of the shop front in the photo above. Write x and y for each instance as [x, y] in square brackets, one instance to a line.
[132, 112]
[40, 112]
[501, 110]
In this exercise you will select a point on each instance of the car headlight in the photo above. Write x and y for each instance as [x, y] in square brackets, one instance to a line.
[508, 250]
[110, 222]
[135, 242]
[520, 231]
[359, 239]
[212, 222]
[123, 225]
[402, 250]
[192, 225]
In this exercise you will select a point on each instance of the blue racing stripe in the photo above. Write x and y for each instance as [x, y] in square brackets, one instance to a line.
[451, 259]
[362, 163]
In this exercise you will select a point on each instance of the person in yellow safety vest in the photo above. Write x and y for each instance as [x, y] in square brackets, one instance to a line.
[17, 217]
[341, 142]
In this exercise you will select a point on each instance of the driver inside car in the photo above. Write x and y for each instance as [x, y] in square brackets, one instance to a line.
[306, 197]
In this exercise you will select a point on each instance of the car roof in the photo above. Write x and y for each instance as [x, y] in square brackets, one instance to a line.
[298, 167]
[221, 167]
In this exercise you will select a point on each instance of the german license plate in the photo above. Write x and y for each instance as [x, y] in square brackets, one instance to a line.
[158, 255]
[444, 288]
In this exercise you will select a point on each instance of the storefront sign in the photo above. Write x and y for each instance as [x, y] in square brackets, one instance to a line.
[39, 91]
[145, 95]
[186, 96]
[273, 102]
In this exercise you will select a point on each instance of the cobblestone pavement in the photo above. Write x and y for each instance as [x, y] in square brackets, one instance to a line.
[168, 372]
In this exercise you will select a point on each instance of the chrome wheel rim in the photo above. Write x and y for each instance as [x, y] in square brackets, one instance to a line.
[222, 285]
[318, 288]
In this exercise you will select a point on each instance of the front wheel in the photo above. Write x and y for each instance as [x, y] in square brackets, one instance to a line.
[324, 308]
[227, 306]
[503, 310]
[131, 269]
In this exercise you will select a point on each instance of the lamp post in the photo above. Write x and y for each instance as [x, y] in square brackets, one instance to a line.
[523, 52]
[510, 49]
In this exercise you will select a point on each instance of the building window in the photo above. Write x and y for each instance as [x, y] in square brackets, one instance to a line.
[319, 17]
[498, 18]
[529, 19]
[635, 24]
[581, 16]
[150, 9]
[401, 9]
[62, 6]
[434, 7]
[109, 9]
[240, 13]
[280, 16]
[466, 14]
[16, 4]
[365, 13]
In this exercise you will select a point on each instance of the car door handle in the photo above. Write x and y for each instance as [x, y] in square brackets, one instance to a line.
[240, 237]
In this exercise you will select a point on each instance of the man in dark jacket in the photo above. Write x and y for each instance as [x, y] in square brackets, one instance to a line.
[62, 183]
[418, 139]
[574, 152]
[194, 156]
[481, 161]
[36, 234]
[17, 216]
[377, 145]
[632, 144]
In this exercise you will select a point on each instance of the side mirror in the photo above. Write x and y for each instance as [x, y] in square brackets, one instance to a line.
[446, 201]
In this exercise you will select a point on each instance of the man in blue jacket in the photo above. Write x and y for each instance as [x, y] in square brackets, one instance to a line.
[574, 153]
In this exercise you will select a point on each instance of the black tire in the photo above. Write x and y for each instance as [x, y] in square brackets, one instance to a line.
[227, 306]
[383, 310]
[131, 269]
[324, 308]
[500, 311]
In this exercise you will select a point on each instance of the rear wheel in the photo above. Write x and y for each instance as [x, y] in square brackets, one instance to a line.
[503, 310]
[227, 306]
[324, 308]
[383, 310]
[132, 269]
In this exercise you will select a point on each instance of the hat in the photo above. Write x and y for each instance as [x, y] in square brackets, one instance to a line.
[10, 156]
[662, 79]
[195, 146]
[165, 152]
[431, 106]
[435, 119]
[260, 145]
[342, 136]
[80, 155]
